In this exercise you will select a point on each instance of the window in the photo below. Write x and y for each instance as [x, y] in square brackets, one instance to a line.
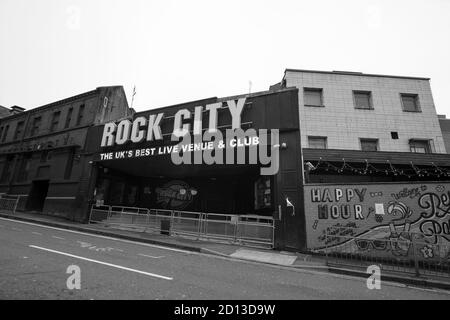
[6, 169]
[369, 144]
[24, 167]
[410, 102]
[19, 129]
[317, 142]
[419, 146]
[80, 115]
[394, 135]
[68, 118]
[313, 97]
[1, 131]
[362, 99]
[69, 164]
[5, 133]
[55, 121]
[45, 156]
[35, 126]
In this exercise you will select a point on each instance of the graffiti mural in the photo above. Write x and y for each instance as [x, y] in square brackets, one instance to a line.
[380, 219]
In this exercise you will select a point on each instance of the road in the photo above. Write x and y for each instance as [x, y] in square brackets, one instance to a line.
[34, 260]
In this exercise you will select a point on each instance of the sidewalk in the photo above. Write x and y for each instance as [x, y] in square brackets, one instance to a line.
[279, 258]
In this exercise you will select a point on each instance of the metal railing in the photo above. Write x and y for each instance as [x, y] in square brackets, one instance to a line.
[9, 203]
[243, 229]
[404, 252]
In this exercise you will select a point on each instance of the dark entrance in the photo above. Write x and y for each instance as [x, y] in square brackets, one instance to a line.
[37, 195]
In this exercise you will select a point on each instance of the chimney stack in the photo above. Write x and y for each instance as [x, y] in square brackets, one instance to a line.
[17, 109]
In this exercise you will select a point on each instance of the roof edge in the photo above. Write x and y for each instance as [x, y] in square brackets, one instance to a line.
[350, 73]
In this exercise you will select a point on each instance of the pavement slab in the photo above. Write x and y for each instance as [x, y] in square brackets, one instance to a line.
[267, 257]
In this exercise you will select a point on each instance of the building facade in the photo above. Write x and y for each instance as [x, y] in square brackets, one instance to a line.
[357, 111]
[135, 165]
[42, 150]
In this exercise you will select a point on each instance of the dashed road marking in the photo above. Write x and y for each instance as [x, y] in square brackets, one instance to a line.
[104, 263]
[36, 233]
[148, 256]
[55, 237]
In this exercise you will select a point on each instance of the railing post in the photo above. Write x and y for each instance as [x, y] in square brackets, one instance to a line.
[172, 221]
[199, 227]
[273, 234]
[236, 226]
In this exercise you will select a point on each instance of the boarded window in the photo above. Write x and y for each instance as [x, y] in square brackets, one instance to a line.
[369, 144]
[69, 164]
[317, 142]
[24, 168]
[7, 169]
[19, 130]
[68, 118]
[80, 115]
[362, 99]
[55, 120]
[410, 102]
[313, 97]
[35, 126]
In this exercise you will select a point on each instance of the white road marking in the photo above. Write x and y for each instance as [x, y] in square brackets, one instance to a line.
[55, 237]
[36, 233]
[103, 237]
[153, 257]
[95, 248]
[103, 263]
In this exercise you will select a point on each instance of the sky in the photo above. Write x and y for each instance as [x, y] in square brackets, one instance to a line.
[179, 51]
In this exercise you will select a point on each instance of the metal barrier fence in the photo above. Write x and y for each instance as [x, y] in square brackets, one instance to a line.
[242, 229]
[9, 203]
[406, 252]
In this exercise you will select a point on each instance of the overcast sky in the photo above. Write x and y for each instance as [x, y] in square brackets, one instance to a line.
[177, 51]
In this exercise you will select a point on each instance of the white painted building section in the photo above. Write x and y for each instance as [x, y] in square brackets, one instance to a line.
[344, 125]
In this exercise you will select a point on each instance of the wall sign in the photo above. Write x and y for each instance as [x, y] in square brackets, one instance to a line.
[378, 219]
[149, 129]
[176, 195]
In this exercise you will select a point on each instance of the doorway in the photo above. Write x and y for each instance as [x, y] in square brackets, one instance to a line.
[37, 195]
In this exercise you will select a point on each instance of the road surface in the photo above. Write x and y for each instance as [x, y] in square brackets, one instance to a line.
[34, 261]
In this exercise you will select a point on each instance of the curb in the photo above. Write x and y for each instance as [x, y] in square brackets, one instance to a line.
[103, 233]
[420, 282]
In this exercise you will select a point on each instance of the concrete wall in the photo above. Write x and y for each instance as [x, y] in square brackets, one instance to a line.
[344, 125]
[379, 212]
[445, 127]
